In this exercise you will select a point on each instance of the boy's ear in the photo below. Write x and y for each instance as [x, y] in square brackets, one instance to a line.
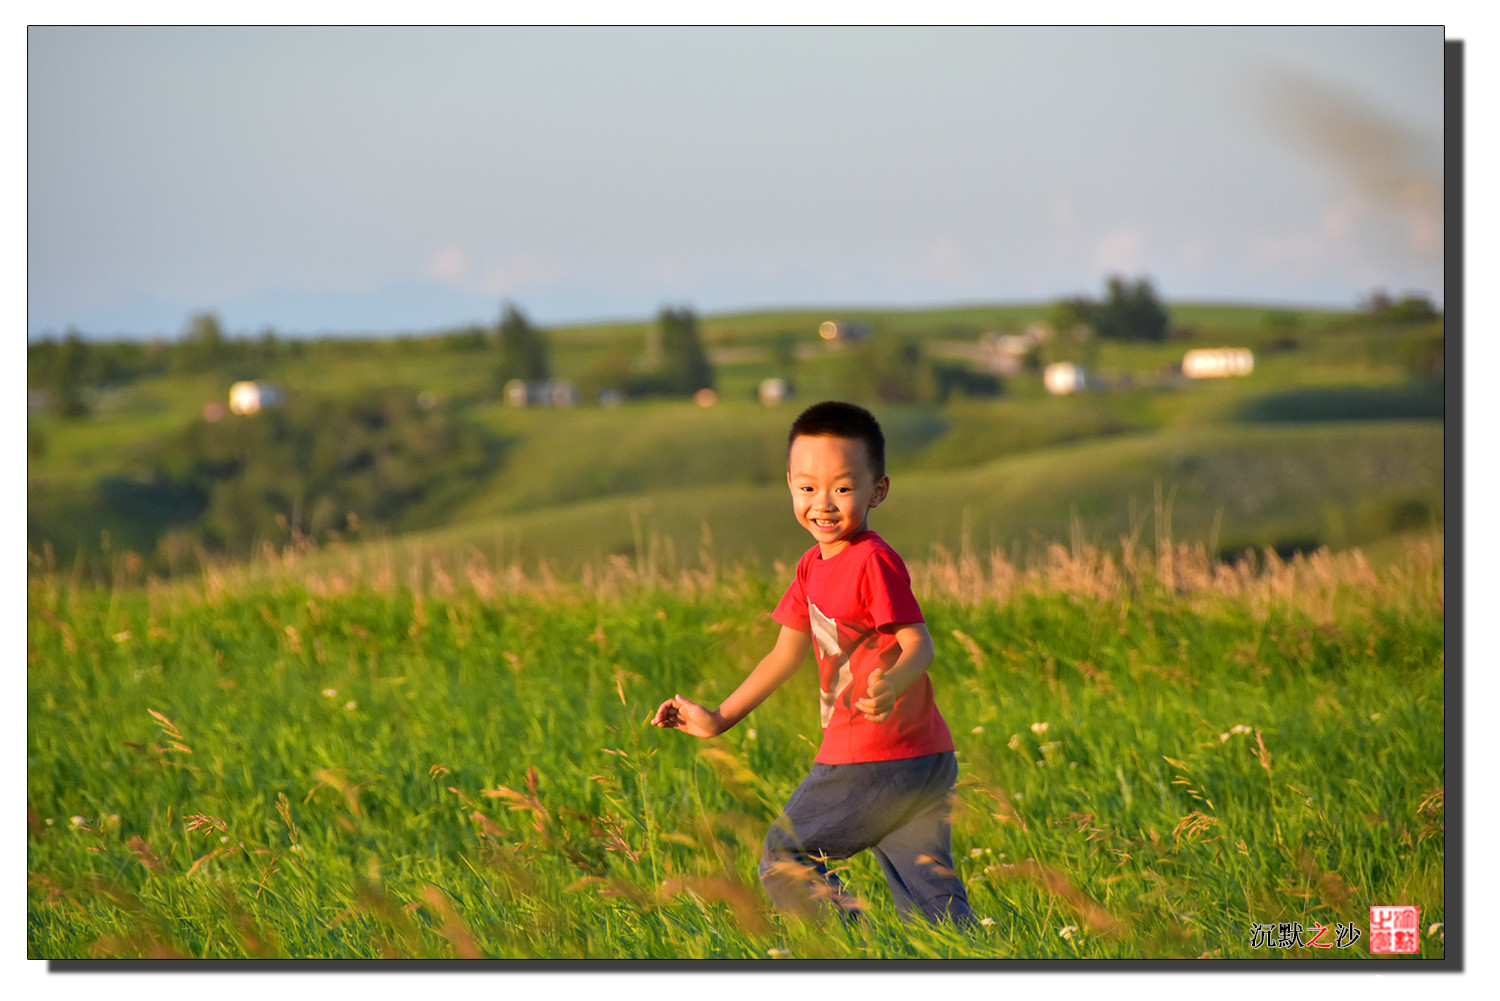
[882, 487]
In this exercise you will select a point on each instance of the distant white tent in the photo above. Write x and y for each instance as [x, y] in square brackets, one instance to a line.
[246, 398]
[1064, 377]
[1217, 363]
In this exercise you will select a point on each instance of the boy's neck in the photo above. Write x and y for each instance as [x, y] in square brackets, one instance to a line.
[828, 550]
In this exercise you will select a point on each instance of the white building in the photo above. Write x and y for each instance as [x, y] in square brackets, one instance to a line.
[540, 393]
[1064, 377]
[1005, 354]
[246, 398]
[774, 391]
[1217, 363]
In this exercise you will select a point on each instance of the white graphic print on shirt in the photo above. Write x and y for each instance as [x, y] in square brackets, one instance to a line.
[826, 634]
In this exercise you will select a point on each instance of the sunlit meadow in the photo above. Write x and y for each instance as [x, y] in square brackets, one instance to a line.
[433, 756]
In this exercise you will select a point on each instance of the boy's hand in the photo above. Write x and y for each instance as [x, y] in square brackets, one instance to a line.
[880, 698]
[682, 714]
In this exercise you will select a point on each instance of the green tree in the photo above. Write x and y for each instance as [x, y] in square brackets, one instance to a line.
[1130, 312]
[1410, 309]
[784, 354]
[203, 344]
[886, 369]
[523, 348]
[305, 467]
[684, 365]
[69, 372]
[267, 348]
[1067, 315]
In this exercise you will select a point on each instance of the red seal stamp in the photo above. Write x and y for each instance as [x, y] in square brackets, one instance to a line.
[1393, 929]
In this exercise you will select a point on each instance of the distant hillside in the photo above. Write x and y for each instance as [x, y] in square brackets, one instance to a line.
[1334, 439]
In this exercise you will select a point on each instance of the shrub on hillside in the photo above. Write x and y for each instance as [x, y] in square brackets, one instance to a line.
[897, 370]
[314, 467]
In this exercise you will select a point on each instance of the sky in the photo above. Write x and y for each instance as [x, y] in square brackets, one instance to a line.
[387, 180]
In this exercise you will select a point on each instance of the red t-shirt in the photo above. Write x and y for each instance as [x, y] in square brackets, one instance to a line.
[851, 604]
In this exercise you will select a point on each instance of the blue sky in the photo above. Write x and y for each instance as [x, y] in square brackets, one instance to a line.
[386, 180]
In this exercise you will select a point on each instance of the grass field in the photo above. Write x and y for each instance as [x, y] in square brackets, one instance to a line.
[434, 744]
[320, 756]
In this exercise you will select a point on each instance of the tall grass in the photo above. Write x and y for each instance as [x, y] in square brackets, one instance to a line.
[326, 755]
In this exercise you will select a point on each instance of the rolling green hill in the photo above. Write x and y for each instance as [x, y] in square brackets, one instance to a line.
[1335, 439]
[1291, 489]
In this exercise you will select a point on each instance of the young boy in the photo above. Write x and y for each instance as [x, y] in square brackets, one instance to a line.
[882, 776]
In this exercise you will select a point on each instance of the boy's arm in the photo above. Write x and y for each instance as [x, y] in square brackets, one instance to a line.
[774, 668]
[883, 687]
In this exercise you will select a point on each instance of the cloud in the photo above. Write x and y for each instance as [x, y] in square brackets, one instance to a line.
[1353, 238]
[517, 272]
[456, 267]
[1121, 250]
[449, 266]
[1301, 253]
[948, 260]
[1339, 220]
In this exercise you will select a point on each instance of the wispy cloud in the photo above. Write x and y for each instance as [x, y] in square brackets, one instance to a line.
[459, 268]
[518, 272]
[450, 266]
[1121, 250]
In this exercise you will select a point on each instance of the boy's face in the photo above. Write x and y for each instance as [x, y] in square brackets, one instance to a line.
[833, 488]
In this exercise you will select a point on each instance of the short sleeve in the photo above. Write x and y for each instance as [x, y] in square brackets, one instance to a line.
[886, 591]
[791, 610]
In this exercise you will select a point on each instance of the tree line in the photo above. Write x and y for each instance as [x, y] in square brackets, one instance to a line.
[65, 370]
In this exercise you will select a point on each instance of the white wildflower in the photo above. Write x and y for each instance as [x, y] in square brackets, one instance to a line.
[751, 734]
[986, 921]
[329, 693]
[77, 821]
[351, 705]
[1039, 728]
[977, 729]
[1067, 931]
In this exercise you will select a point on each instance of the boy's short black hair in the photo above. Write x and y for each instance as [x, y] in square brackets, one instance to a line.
[842, 420]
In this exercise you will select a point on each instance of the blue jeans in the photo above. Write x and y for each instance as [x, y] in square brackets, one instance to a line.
[897, 809]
